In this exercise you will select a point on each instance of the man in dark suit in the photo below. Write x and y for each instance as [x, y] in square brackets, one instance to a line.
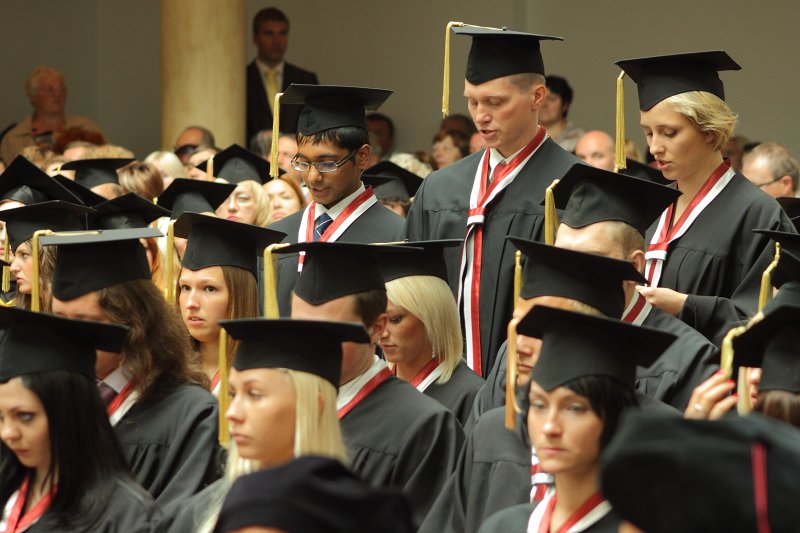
[269, 73]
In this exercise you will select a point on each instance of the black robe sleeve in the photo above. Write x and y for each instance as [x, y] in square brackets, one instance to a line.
[194, 512]
[493, 392]
[458, 394]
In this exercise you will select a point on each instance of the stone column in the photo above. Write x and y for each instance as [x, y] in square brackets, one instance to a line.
[203, 68]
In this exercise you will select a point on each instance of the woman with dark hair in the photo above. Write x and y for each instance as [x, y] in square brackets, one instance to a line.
[60, 469]
[448, 147]
[218, 281]
[152, 395]
[580, 384]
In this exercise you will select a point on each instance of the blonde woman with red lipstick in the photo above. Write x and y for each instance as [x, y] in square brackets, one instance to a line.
[704, 263]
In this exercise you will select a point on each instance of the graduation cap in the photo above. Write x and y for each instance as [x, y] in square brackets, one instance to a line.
[500, 52]
[194, 196]
[644, 172]
[24, 182]
[426, 260]
[313, 346]
[788, 268]
[391, 181]
[592, 279]
[95, 172]
[216, 242]
[659, 77]
[589, 195]
[771, 344]
[56, 215]
[235, 164]
[312, 493]
[39, 342]
[335, 269]
[576, 345]
[127, 211]
[92, 261]
[667, 474]
[86, 196]
[791, 205]
[333, 106]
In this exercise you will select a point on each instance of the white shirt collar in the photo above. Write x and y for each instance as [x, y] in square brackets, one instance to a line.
[118, 379]
[263, 68]
[349, 390]
[495, 158]
[340, 206]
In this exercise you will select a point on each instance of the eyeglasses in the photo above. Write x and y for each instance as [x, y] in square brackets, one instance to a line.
[762, 185]
[323, 167]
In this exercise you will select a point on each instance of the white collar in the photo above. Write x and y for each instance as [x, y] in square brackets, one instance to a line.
[495, 158]
[340, 206]
[118, 379]
[263, 67]
[349, 390]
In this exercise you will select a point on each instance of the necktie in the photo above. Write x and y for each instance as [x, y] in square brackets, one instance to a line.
[106, 393]
[272, 86]
[321, 224]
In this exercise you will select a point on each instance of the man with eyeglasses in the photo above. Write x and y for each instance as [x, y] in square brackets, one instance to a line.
[771, 168]
[332, 152]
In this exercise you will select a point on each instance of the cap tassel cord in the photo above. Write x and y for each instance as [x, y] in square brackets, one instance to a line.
[276, 121]
[169, 274]
[446, 83]
[766, 279]
[271, 281]
[619, 153]
[224, 435]
[210, 168]
[550, 215]
[6, 286]
[512, 408]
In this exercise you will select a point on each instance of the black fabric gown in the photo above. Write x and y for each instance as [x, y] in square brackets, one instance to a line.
[129, 509]
[376, 224]
[458, 393]
[516, 518]
[718, 262]
[398, 437]
[193, 512]
[170, 442]
[439, 211]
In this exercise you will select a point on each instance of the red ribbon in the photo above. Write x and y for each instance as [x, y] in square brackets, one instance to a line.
[368, 387]
[119, 398]
[758, 455]
[18, 522]
[214, 381]
[424, 373]
[584, 509]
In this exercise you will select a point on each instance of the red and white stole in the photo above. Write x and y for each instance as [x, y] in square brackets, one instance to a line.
[588, 514]
[344, 220]
[122, 403]
[541, 481]
[13, 519]
[353, 392]
[480, 200]
[657, 250]
[637, 310]
[215, 384]
[429, 373]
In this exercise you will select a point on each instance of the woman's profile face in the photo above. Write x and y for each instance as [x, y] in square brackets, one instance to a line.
[404, 340]
[23, 425]
[22, 268]
[261, 414]
[203, 300]
[282, 199]
[564, 430]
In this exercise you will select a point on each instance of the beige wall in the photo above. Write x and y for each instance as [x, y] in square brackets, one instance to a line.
[109, 50]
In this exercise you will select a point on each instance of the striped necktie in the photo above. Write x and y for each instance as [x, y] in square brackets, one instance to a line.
[321, 224]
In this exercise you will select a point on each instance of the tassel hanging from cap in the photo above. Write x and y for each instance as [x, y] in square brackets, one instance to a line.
[210, 168]
[619, 153]
[517, 275]
[169, 274]
[276, 124]
[6, 286]
[271, 281]
[224, 435]
[446, 83]
[766, 279]
[550, 215]
[512, 408]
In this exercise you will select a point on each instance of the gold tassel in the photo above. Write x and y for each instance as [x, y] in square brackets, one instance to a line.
[619, 155]
[766, 279]
[511, 376]
[6, 282]
[550, 215]
[169, 274]
[276, 132]
[271, 281]
[210, 168]
[743, 404]
[726, 352]
[224, 436]
[446, 83]
[517, 275]
[35, 304]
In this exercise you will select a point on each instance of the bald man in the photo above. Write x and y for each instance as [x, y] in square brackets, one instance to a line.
[596, 148]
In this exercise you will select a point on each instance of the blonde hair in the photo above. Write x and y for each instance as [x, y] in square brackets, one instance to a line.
[142, 178]
[262, 209]
[168, 163]
[32, 83]
[430, 299]
[708, 112]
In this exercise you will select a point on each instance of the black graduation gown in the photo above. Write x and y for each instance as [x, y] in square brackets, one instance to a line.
[458, 393]
[170, 442]
[493, 392]
[718, 262]
[439, 211]
[516, 518]
[397, 437]
[194, 511]
[376, 224]
[690, 360]
[129, 510]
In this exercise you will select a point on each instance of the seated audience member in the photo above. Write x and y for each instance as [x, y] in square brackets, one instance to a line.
[261, 144]
[197, 157]
[75, 141]
[284, 198]
[476, 143]
[99, 175]
[143, 179]
[47, 91]
[632, 151]
[448, 147]
[168, 164]
[108, 151]
[287, 149]
[553, 114]
[190, 139]
[394, 186]
[37, 155]
[771, 168]
[458, 122]
[382, 128]
[596, 148]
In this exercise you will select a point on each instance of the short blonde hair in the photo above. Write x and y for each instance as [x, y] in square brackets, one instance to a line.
[262, 209]
[32, 83]
[430, 300]
[708, 112]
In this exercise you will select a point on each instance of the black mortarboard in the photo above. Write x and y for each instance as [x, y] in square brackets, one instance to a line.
[660, 77]
[39, 342]
[576, 345]
[588, 195]
[333, 106]
[86, 196]
[335, 269]
[235, 164]
[426, 260]
[216, 242]
[588, 278]
[126, 211]
[312, 493]
[666, 474]
[789, 263]
[23, 222]
[644, 172]
[391, 181]
[24, 182]
[94, 172]
[771, 344]
[313, 346]
[93, 261]
[496, 53]
[791, 205]
[194, 196]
